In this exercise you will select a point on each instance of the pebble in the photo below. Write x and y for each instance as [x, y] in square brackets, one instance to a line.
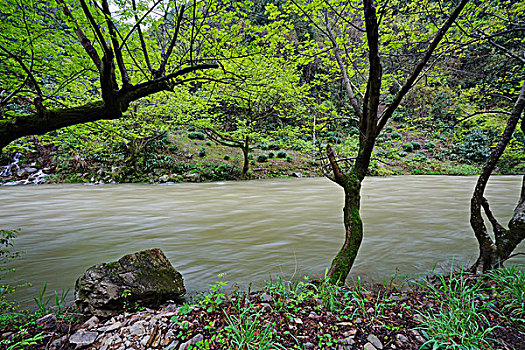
[401, 338]
[83, 338]
[309, 346]
[374, 340]
[369, 346]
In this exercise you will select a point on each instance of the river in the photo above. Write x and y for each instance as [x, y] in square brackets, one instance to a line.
[245, 231]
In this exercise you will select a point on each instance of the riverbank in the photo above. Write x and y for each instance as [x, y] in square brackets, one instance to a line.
[455, 311]
[188, 155]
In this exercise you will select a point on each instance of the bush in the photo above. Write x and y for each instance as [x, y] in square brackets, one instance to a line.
[395, 135]
[281, 154]
[403, 154]
[289, 159]
[408, 147]
[173, 148]
[202, 152]
[196, 135]
[271, 155]
[389, 129]
[274, 147]
[353, 131]
[474, 147]
[429, 145]
[416, 145]
[191, 128]
[262, 158]
[226, 157]
[263, 147]
[307, 137]
[208, 143]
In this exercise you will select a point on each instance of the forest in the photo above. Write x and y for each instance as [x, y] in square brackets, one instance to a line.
[166, 92]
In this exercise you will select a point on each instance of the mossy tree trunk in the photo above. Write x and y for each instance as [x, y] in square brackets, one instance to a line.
[371, 123]
[493, 252]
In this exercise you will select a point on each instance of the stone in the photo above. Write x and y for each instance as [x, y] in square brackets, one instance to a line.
[309, 346]
[313, 315]
[265, 307]
[346, 341]
[136, 329]
[91, 323]
[146, 278]
[114, 326]
[369, 346]
[83, 338]
[375, 341]
[58, 343]
[193, 341]
[296, 174]
[401, 338]
[298, 320]
[164, 178]
[173, 345]
[266, 298]
[47, 322]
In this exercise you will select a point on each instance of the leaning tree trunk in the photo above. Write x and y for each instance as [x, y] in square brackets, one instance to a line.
[245, 153]
[492, 253]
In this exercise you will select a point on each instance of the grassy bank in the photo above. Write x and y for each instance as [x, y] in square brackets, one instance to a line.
[458, 311]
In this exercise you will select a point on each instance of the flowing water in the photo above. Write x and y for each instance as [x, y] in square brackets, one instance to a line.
[245, 230]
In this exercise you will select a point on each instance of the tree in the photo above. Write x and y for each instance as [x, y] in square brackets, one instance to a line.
[493, 252]
[68, 63]
[371, 108]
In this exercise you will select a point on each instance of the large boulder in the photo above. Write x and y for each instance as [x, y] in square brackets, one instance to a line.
[145, 278]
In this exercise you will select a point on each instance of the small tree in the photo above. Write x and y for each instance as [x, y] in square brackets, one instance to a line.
[371, 108]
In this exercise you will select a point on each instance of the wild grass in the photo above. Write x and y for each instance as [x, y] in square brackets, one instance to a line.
[457, 320]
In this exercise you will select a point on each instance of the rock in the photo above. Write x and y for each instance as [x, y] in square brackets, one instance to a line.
[418, 336]
[309, 346]
[193, 341]
[91, 323]
[164, 178]
[146, 278]
[193, 177]
[173, 345]
[266, 298]
[136, 329]
[265, 307]
[296, 174]
[298, 320]
[369, 346]
[114, 326]
[375, 341]
[313, 315]
[401, 338]
[83, 338]
[47, 322]
[58, 343]
[346, 341]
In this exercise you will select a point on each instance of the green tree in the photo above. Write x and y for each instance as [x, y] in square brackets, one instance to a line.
[357, 44]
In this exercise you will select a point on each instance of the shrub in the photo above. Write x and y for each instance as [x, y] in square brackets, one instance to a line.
[226, 157]
[289, 159]
[403, 154]
[416, 145]
[202, 152]
[429, 145]
[281, 154]
[263, 147]
[208, 143]
[262, 158]
[395, 135]
[307, 137]
[196, 135]
[191, 128]
[389, 129]
[474, 147]
[173, 148]
[274, 147]
[408, 147]
[271, 155]
[353, 131]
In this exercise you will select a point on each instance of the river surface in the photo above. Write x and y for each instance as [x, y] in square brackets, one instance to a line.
[245, 231]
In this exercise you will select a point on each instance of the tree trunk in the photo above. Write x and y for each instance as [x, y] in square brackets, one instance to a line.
[246, 161]
[344, 260]
[492, 253]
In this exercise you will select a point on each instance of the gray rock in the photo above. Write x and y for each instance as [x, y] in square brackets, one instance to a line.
[58, 343]
[47, 322]
[296, 174]
[173, 345]
[401, 338]
[369, 346]
[266, 298]
[146, 278]
[193, 341]
[375, 341]
[309, 346]
[193, 177]
[346, 341]
[91, 323]
[265, 307]
[83, 338]
[164, 178]
[114, 326]
[136, 329]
